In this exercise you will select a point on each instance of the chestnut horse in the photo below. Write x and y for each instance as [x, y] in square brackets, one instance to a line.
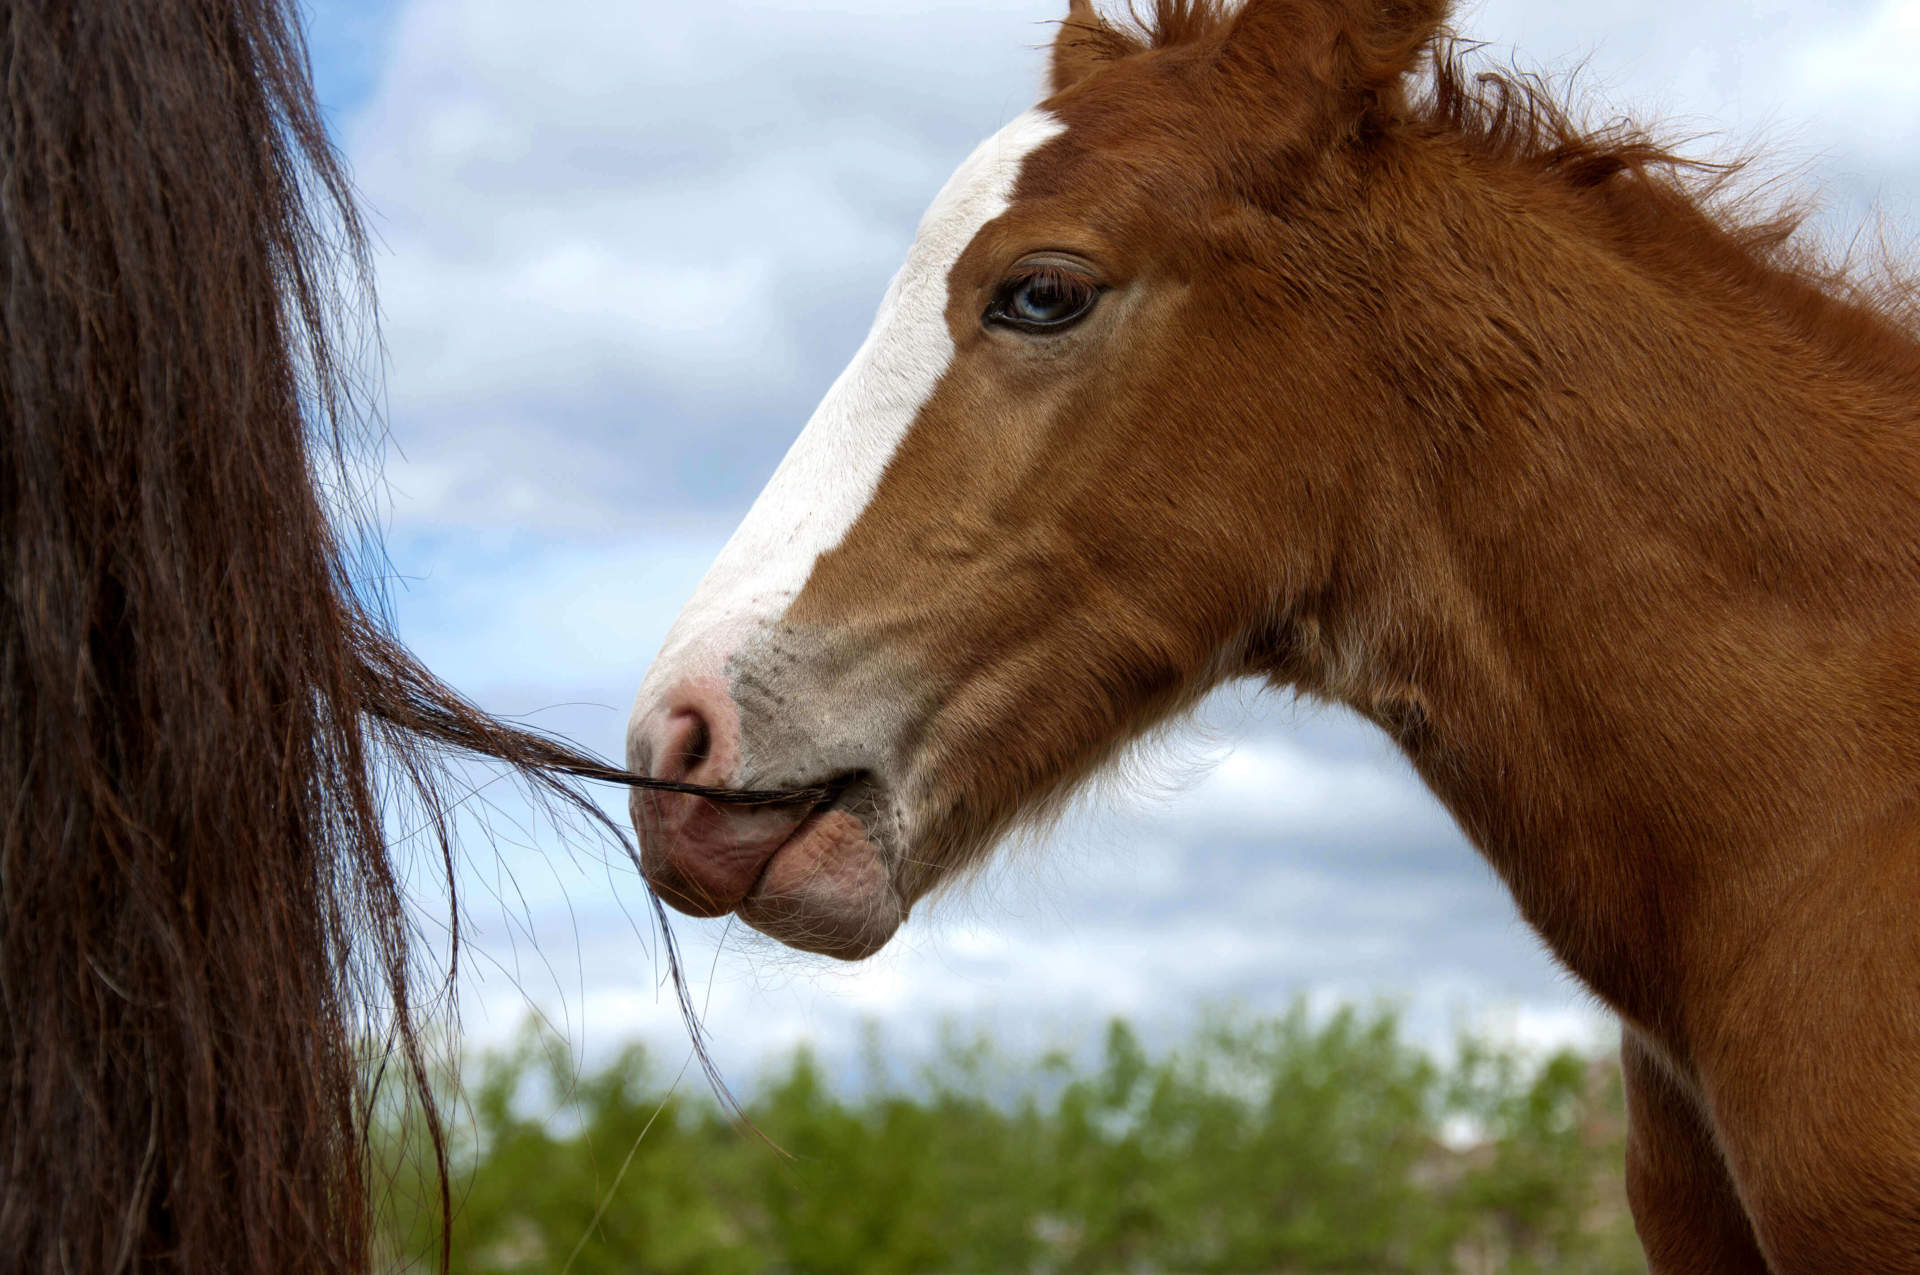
[1273, 345]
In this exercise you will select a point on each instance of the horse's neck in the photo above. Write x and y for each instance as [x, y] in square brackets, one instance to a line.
[1664, 648]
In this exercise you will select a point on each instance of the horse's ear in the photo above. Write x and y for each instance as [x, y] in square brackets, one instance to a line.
[1356, 52]
[1083, 43]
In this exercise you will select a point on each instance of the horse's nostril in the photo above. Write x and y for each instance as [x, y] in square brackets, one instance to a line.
[691, 734]
[690, 740]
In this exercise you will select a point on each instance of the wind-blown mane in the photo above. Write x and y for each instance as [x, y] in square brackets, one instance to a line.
[1689, 213]
[1691, 210]
[199, 920]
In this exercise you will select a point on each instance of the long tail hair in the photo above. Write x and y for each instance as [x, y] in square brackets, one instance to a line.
[199, 714]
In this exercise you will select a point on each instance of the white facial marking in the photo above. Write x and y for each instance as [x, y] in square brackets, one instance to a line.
[830, 474]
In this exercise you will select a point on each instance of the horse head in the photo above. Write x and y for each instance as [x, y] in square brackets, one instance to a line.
[1100, 452]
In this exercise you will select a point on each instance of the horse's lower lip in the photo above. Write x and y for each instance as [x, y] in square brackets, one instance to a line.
[798, 835]
[826, 887]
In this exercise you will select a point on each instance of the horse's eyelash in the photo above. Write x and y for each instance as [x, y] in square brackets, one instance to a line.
[1061, 278]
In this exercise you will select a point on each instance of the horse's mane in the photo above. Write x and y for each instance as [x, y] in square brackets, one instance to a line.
[1662, 200]
[204, 719]
[1698, 219]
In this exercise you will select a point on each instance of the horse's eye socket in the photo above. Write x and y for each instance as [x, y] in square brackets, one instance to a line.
[1043, 301]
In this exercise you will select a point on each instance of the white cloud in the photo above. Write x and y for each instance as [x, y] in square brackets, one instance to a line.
[655, 228]
[1280, 787]
[1862, 80]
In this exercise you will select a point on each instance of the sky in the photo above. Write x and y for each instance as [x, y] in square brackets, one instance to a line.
[623, 250]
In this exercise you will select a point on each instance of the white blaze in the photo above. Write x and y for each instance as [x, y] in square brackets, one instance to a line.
[833, 468]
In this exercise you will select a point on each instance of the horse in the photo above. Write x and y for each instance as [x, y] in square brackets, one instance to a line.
[1276, 343]
[206, 962]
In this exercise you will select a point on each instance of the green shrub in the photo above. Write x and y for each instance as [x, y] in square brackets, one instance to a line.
[1296, 1145]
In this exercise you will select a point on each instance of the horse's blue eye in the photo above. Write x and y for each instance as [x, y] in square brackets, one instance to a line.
[1045, 300]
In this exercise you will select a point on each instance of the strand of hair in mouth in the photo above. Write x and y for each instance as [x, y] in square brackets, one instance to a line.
[812, 796]
[418, 713]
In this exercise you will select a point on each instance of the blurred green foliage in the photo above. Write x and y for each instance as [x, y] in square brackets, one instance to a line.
[1300, 1144]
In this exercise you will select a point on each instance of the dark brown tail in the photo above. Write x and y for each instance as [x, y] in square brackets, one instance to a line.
[198, 917]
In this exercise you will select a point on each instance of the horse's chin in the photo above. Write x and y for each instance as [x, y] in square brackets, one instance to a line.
[827, 890]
